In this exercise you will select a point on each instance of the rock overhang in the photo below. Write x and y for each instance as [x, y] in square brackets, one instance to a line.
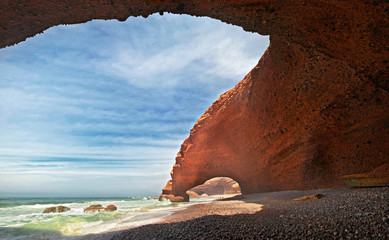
[312, 110]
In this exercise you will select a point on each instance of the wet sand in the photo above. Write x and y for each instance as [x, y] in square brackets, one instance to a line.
[340, 214]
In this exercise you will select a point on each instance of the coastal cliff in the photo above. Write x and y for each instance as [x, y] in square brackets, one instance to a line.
[314, 108]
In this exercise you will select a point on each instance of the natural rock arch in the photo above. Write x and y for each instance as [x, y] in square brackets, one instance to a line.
[216, 186]
[313, 109]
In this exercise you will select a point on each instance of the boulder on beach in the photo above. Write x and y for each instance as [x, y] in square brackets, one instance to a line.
[192, 194]
[316, 196]
[173, 198]
[99, 208]
[96, 206]
[111, 208]
[56, 209]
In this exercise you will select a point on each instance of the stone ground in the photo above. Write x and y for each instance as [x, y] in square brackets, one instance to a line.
[340, 214]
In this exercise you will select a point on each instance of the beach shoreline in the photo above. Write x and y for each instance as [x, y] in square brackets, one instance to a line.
[161, 216]
[340, 214]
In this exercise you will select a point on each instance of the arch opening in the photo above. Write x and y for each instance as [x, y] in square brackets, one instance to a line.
[74, 90]
[326, 64]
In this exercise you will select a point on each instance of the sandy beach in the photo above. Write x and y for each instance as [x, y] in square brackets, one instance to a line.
[339, 214]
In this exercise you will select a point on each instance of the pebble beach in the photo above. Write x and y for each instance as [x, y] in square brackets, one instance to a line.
[340, 214]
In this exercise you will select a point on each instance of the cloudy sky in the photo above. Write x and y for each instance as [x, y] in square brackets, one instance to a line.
[100, 109]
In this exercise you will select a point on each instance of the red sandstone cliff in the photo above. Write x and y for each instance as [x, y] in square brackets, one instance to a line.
[313, 109]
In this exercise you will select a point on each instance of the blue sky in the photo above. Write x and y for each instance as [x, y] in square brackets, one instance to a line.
[101, 108]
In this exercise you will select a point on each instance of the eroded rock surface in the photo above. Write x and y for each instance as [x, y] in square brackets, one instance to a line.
[315, 107]
[99, 208]
[56, 209]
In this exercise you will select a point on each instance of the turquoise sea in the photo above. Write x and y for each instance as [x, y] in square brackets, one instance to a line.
[22, 218]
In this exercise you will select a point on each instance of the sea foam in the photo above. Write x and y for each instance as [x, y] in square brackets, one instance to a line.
[23, 218]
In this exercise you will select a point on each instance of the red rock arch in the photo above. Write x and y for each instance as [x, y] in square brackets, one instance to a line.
[216, 186]
[313, 109]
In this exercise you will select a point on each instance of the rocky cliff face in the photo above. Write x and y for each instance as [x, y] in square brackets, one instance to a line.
[313, 109]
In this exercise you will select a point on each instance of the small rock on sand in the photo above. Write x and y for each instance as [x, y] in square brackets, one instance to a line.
[316, 196]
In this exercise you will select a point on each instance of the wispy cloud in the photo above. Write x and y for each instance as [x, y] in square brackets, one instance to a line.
[220, 53]
[108, 102]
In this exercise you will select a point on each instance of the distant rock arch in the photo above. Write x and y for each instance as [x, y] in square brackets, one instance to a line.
[216, 186]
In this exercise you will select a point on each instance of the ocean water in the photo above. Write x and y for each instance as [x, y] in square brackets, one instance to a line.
[22, 218]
